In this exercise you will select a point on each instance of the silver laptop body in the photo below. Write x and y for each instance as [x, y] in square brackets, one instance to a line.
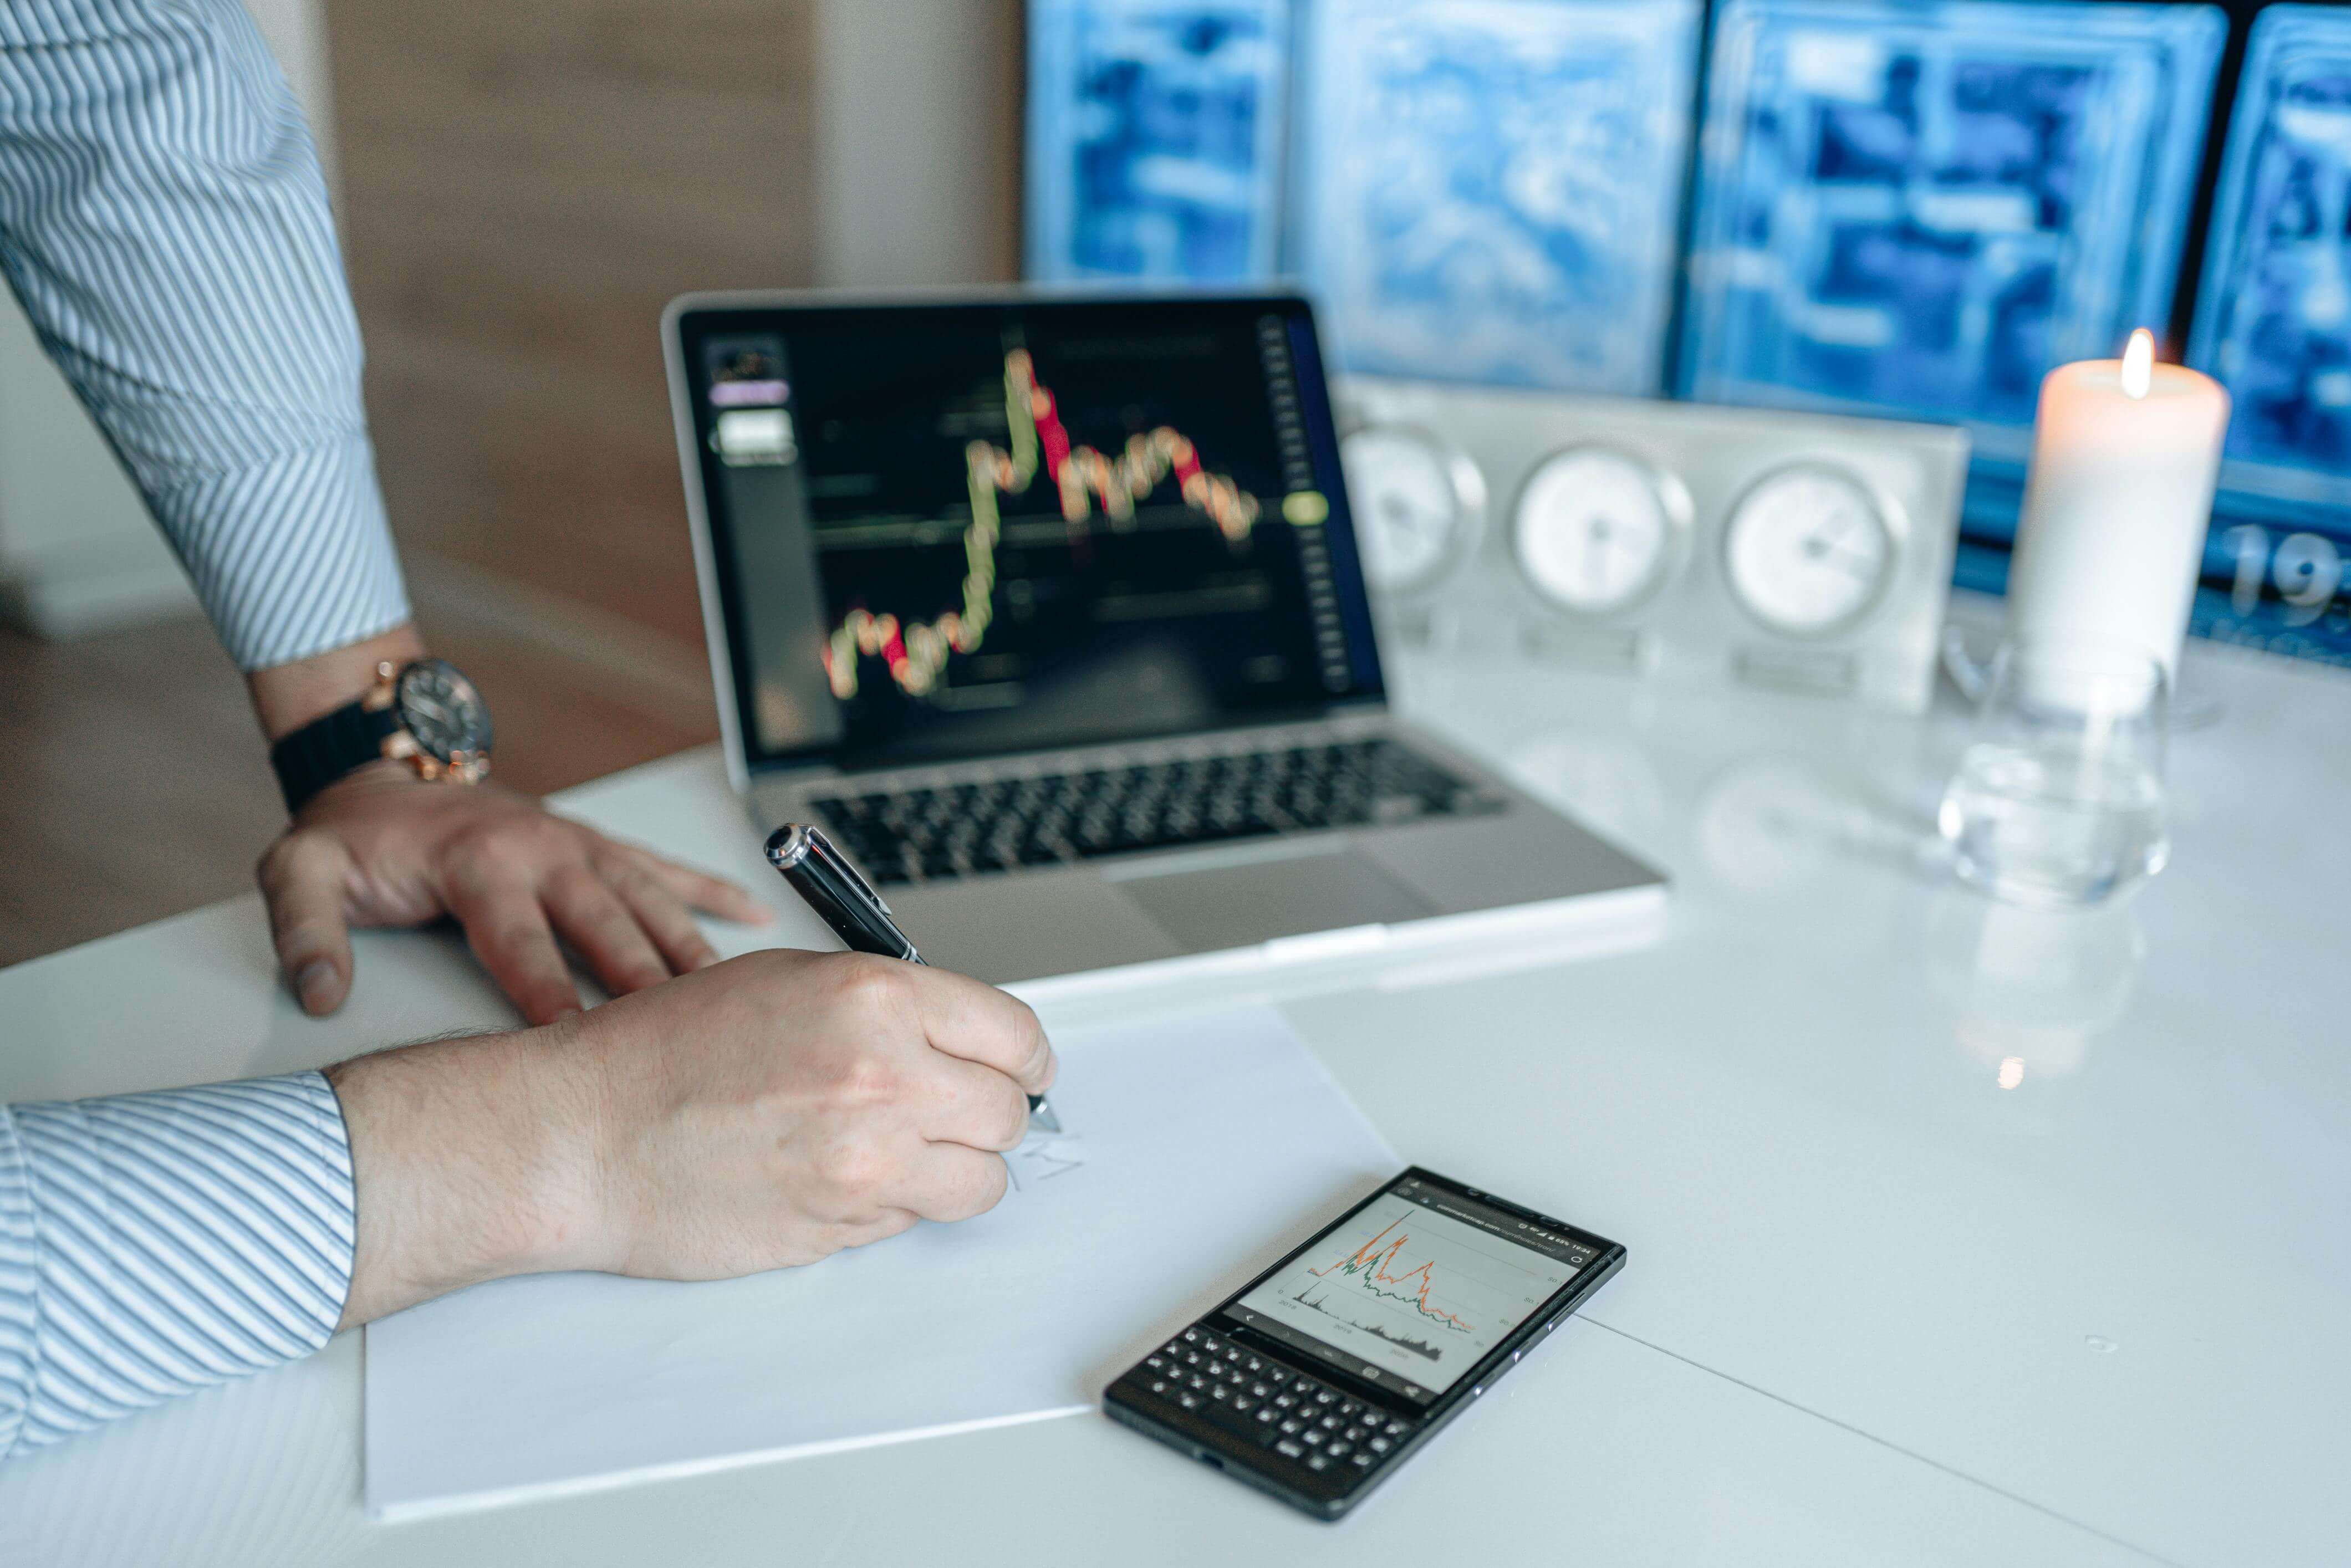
[1033, 577]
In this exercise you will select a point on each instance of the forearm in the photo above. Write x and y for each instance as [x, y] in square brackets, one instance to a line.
[151, 1245]
[154, 1244]
[474, 1160]
[288, 696]
[750, 1116]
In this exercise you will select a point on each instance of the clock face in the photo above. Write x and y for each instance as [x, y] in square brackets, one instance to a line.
[440, 708]
[1598, 530]
[1417, 506]
[1808, 551]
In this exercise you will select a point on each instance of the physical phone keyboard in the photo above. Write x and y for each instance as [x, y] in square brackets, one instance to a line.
[1317, 1428]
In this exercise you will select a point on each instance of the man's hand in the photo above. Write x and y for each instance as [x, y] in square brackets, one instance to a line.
[765, 1112]
[384, 848]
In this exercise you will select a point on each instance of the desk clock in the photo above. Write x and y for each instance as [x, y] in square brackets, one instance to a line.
[1679, 540]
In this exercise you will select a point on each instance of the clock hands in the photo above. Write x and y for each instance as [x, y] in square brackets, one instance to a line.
[1859, 562]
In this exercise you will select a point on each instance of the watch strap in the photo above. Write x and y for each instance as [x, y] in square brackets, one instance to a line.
[310, 758]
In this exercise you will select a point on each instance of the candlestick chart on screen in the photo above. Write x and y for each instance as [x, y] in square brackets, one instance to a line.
[1065, 489]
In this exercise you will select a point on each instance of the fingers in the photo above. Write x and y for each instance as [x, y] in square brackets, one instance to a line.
[302, 881]
[949, 1182]
[893, 1222]
[974, 1106]
[591, 916]
[665, 919]
[509, 934]
[711, 894]
[974, 1020]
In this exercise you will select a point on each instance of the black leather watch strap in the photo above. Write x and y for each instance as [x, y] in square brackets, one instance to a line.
[325, 749]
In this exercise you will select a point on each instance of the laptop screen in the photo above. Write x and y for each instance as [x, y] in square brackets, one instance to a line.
[961, 530]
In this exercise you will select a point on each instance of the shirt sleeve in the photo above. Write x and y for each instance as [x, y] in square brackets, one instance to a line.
[164, 221]
[155, 1244]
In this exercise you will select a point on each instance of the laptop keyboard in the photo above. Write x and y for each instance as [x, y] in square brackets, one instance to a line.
[970, 829]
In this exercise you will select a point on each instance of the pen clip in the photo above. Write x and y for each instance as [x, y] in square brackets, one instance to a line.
[822, 845]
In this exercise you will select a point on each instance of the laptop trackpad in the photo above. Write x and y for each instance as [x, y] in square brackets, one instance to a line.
[1238, 906]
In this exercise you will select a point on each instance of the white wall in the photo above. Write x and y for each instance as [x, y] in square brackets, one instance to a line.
[918, 128]
[78, 553]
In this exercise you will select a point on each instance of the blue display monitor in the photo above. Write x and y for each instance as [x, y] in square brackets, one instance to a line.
[1156, 140]
[2274, 326]
[1490, 190]
[1917, 209]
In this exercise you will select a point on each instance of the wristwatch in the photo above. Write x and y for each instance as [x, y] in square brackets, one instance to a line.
[426, 713]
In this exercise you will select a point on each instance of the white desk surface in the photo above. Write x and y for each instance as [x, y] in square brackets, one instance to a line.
[1879, 1308]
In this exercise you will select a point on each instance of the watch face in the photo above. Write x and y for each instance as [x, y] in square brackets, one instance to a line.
[1808, 551]
[1418, 505]
[439, 707]
[1598, 530]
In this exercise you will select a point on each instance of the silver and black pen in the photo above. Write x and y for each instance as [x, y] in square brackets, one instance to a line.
[821, 875]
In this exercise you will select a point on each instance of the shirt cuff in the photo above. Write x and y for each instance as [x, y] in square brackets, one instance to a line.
[154, 1244]
[290, 556]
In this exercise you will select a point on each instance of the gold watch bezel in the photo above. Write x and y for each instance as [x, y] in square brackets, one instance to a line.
[462, 766]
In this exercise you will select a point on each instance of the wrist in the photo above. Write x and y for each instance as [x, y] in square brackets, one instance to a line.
[422, 711]
[473, 1159]
[377, 778]
[288, 696]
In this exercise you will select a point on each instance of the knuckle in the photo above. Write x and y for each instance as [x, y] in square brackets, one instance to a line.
[854, 1170]
[560, 840]
[492, 856]
[866, 1079]
[282, 861]
[1036, 1052]
[469, 880]
[572, 882]
[781, 965]
[995, 1181]
[866, 987]
[519, 841]
[1014, 1127]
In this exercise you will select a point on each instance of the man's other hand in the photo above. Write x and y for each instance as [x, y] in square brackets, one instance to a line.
[384, 848]
[765, 1112]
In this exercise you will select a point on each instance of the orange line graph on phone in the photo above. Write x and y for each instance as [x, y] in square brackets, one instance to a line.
[917, 651]
[1369, 1268]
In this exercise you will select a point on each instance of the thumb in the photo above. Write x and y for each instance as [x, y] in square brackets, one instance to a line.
[302, 879]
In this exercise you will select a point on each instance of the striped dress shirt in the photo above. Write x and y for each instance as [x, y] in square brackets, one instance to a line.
[154, 1244]
[164, 222]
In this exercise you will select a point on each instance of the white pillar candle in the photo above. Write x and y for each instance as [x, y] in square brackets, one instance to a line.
[2125, 456]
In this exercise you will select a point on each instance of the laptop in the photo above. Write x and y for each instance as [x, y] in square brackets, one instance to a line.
[1050, 609]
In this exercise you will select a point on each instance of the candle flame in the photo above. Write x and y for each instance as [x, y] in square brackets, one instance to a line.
[2138, 363]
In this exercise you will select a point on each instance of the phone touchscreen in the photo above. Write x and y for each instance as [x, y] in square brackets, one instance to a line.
[1413, 1290]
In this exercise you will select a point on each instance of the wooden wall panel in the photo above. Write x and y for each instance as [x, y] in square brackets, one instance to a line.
[524, 183]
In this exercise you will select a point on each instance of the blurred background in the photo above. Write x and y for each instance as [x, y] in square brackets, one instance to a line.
[1851, 205]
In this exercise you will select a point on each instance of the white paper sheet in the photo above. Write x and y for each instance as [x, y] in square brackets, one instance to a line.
[1194, 1148]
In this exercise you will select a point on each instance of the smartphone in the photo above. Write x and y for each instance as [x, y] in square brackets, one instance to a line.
[1320, 1376]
